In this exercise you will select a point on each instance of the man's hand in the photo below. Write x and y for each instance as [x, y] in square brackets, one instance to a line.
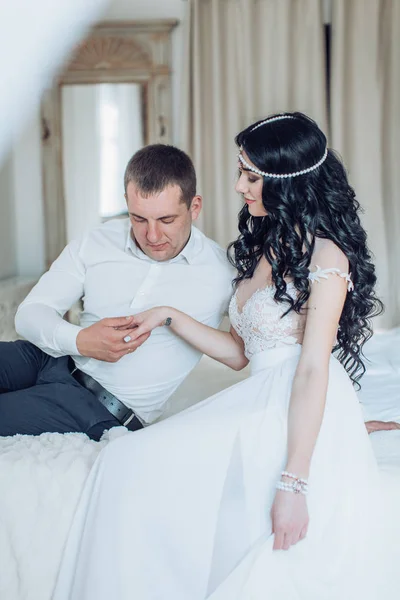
[106, 339]
[381, 426]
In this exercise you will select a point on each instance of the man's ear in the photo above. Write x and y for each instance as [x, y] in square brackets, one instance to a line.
[196, 206]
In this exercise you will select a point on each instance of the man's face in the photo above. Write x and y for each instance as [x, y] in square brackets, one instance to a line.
[161, 223]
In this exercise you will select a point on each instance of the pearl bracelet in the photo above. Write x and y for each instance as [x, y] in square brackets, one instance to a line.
[297, 487]
[292, 476]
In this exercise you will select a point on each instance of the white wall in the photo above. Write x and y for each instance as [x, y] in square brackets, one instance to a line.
[21, 207]
[8, 257]
[145, 9]
[28, 201]
[158, 9]
[327, 11]
[22, 229]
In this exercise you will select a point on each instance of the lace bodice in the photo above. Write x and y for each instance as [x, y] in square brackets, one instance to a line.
[260, 323]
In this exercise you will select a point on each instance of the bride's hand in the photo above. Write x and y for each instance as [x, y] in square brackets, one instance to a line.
[289, 515]
[148, 320]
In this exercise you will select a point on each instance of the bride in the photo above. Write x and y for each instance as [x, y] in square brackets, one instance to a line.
[268, 490]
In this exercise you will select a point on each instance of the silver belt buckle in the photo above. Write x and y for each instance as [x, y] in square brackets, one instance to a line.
[129, 419]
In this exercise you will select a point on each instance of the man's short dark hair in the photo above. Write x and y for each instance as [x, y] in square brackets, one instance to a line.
[156, 166]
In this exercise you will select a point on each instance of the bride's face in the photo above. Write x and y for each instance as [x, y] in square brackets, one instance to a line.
[250, 185]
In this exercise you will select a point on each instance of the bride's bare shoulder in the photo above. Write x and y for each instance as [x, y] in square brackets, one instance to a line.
[328, 255]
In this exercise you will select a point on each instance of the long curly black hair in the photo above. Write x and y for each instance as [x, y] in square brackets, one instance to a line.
[317, 204]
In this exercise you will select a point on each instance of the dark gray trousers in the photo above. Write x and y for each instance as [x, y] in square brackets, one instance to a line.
[38, 394]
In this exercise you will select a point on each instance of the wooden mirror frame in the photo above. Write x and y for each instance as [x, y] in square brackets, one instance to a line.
[113, 52]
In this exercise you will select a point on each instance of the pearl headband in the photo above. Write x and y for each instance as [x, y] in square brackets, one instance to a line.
[271, 120]
[279, 175]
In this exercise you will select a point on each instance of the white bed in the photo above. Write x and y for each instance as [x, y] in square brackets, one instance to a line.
[41, 477]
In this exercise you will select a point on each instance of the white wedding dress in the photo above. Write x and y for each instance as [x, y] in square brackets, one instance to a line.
[181, 510]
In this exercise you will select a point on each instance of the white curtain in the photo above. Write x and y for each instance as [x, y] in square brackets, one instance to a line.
[366, 126]
[245, 59]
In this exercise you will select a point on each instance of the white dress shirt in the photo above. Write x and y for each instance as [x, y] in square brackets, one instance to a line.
[115, 278]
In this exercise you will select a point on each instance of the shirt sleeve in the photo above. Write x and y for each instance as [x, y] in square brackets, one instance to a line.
[39, 318]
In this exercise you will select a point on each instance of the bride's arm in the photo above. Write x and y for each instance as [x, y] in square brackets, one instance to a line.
[308, 396]
[225, 347]
[310, 382]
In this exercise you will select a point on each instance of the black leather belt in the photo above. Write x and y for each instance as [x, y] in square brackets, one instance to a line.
[122, 413]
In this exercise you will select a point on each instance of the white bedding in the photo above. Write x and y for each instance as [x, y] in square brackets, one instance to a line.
[41, 477]
[380, 392]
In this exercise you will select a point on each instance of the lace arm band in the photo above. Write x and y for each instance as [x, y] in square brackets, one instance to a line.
[323, 274]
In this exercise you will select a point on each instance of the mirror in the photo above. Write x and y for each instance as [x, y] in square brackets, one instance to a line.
[102, 126]
[112, 98]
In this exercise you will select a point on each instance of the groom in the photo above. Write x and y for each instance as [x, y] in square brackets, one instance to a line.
[92, 377]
